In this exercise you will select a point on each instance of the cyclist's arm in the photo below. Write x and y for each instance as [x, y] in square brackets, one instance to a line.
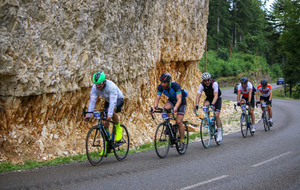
[156, 100]
[113, 96]
[250, 94]
[216, 92]
[270, 96]
[239, 96]
[178, 97]
[215, 98]
[257, 92]
[93, 100]
[198, 98]
[199, 93]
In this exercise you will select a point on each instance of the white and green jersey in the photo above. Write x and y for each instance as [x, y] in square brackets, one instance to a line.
[110, 93]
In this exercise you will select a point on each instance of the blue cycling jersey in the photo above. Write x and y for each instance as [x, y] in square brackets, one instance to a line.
[171, 92]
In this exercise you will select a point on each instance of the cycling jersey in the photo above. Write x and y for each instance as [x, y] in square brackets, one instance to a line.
[245, 92]
[171, 92]
[264, 92]
[111, 93]
[210, 89]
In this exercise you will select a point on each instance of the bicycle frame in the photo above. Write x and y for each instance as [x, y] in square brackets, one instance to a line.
[167, 121]
[245, 113]
[207, 110]
[265, 115]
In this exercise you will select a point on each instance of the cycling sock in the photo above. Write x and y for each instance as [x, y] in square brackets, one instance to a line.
[270, 119]
[118, 125]
[182, 140]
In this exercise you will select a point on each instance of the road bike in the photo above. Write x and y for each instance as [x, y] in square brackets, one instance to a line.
[245, 120]
[99, 142]
[167, 135]
[207, 127]
[265, 115]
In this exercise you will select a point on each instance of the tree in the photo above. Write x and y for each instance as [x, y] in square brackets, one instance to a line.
[287, 22]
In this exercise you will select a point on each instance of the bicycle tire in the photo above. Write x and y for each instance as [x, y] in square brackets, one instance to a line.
[95, 145]
[121, 147]
[265, 121]
[243, 123]
[162, 140]
[250, 124]
[205, 133]
[186, 140]
[216, 135]
[267, 117]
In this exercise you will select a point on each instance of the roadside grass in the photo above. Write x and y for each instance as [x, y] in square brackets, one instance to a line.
[279, 94]
[29, 164]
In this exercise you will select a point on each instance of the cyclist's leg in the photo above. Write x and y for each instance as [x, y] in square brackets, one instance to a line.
[179, 120]
[252, 111]
[115, 118]
[117, 109]
[261, 99]
[169, 105]
[218, 110]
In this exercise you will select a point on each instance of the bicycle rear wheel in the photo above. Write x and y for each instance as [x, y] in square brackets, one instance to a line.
[121, 147]
[186, 139]
[95, 145]
[205, 133]
[243, 122]
[162, 140]
[216, 136]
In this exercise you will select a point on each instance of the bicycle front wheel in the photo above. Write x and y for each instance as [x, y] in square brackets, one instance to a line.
[95, 146]
[205, 133]
[121, 147]
[243, 122]
[186, 140]
[162, 140]
[265, 121]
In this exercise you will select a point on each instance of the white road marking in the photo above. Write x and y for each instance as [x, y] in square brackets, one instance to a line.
[264, 162]
[204, 182]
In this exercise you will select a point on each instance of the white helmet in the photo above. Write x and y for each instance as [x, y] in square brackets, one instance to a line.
[206, 75]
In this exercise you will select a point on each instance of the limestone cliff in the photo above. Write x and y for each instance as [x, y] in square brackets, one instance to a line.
[49, 49]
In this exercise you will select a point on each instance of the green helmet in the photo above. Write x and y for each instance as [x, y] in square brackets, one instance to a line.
[98, 77]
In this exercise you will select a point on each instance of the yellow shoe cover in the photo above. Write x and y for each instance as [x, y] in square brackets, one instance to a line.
[101, 153]
[118, 132]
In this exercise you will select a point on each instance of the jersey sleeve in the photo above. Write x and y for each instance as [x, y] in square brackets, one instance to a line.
[93, 99]
[240, 88]
[270, 87]
[215, 87]
[159, 90]
[113, 96]
[176, 87]
[200, 89]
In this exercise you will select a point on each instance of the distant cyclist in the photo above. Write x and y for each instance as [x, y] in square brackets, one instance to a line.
[213, 98]
[246, 89]
[113, 100]
[265, 91]
[176, 100]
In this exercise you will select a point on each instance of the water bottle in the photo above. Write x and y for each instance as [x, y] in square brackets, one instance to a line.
[213, 121]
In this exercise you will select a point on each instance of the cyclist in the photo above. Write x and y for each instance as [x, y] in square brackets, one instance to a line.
[176, 100]
[265, 91]
[213, 98]
[246, 89]
[113, 101]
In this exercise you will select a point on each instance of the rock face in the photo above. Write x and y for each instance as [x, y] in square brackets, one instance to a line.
[50, 49]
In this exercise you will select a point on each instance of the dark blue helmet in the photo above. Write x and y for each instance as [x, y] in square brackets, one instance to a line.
[264, 82]
[244, 80]
[166, 77]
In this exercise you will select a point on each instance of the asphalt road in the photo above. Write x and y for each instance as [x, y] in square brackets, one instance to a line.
[268, 160]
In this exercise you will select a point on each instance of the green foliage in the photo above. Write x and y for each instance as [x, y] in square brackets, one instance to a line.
[238, 63]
